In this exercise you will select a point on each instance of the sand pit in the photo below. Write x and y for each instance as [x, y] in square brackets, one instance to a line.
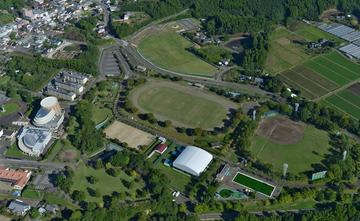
[135, 138]
[281, 130]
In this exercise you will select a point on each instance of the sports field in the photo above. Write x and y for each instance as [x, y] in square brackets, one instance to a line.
[254, 184]
[346, 101]
[134, 137]
[321, 75]
[280, 140]
[168, 50]
[184, 105]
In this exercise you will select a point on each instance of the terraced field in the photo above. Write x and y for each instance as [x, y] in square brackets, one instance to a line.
[321, 75]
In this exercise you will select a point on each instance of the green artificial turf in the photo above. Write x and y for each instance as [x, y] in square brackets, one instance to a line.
[253, 184]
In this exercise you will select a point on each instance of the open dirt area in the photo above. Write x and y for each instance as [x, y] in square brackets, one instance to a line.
[281, 130]
[135, 138]
[355, 89]
[68, 156]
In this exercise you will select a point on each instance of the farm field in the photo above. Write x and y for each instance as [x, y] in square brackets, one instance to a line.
[321, 75]
[280, 140]
[254, 184]
[168, 50]
[312, 33]
[346, 101]
[184, 105]
[283, 53]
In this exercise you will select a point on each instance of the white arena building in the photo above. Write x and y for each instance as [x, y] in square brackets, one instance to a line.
[50, 114]
[193, 160]
[33, 141]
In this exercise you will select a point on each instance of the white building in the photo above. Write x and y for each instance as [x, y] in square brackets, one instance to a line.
[50, 115]
[33, 141]
[193, 160]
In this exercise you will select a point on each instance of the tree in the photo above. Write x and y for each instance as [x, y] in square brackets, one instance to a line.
[92, 179]
[120, 159]
[198, 131]
[78, 195]
[167, 123]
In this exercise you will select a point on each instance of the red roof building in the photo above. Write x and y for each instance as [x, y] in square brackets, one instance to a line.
[161, 148]
[18, 178]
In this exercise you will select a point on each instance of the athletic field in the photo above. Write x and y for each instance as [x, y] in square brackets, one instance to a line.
[321, 75]
[184, 105]
[280, 140]
[168, 50]
[346, 101]
[254, 184]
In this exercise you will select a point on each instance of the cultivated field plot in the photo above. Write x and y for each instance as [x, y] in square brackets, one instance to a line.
[168, 50]
[254, 184]
[321, 75]
[185, 106]
[128, 134]
[280, 140]
[284, 53]
[347, 101]
[312, 33]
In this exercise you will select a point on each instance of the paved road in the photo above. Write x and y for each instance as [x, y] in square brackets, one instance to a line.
[32, 164]
[250, 89]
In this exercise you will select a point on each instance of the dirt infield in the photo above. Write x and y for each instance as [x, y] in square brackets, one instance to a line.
[128, 134]
[355, 89]
[281, 130]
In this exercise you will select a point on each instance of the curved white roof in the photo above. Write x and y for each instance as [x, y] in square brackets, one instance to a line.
[49, 102]
[193, 160]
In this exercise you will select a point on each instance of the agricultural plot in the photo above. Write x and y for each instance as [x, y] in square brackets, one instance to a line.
[284, 53]
[169, 50]
[280, 140]
[312, 33]
[346, 101]
[254, 184]
[321, 75]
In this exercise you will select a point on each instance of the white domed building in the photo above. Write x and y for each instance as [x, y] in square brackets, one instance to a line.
[33, 141]
[50, 115]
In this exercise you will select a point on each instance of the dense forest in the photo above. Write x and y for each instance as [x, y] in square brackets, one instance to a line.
[233, 16]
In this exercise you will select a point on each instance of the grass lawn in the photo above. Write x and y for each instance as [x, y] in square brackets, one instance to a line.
[182, 107]
[53, 198]
[169, 50]
[32, 194]
[5, 18]
[300, 156]
[254, 184]
[99, 114]
[14, 152]
[175, 179]
[9, 108]
[106, 184]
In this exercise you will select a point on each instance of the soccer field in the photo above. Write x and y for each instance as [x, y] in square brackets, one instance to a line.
[254, 184]
[168, 50]
[184, 105]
